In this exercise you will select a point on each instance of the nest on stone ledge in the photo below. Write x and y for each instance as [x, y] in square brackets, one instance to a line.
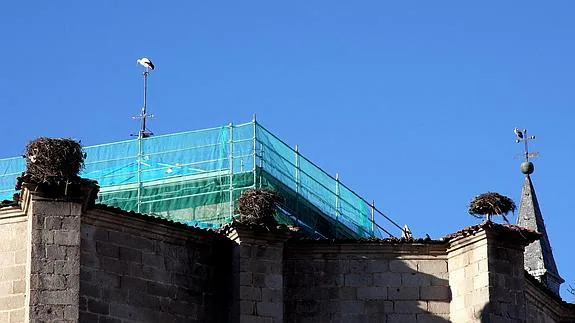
[53, 159]
[491, 203]
[258, 206]
[52, 168]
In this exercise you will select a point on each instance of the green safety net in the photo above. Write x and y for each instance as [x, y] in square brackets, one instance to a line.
[195, 177]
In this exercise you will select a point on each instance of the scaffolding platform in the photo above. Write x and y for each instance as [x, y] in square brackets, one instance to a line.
[195, 178]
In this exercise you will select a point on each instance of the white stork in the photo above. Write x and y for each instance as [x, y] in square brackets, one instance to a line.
[406, 233]
[146, 62]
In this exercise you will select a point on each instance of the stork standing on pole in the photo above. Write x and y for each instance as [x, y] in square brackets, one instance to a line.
[144, 132]
[148, 66]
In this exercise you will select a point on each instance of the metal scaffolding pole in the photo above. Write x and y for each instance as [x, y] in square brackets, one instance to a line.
[337, 206]
[141, 135]
[255, 151]
[231, 161]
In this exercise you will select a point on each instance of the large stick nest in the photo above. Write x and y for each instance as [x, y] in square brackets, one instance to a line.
[258, 206]
[52, 168]
[53, 160]
[491, 203]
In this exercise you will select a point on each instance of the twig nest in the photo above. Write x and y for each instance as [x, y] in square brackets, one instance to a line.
[258, 206]
[491, 203]
[53, 159]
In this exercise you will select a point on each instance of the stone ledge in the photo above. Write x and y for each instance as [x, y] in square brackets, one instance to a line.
[295, 248]
[84, 192]
[505, 231]
[240, 233]
[12, 214]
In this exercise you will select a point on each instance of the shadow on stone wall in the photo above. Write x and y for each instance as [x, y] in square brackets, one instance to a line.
[484, 316]
[151, 273]
[364, 287]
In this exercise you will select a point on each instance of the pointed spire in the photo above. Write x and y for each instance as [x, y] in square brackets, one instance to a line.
[539, 261]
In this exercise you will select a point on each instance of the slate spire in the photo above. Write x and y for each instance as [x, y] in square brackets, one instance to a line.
[539, 261]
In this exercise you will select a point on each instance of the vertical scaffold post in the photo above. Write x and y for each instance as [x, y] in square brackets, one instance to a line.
[139, 176]
[231, 162]
[297, 171]
[261, 163]
[141, 135]
[297, 182]
[337, 211]
[373, 217]
[255, 150]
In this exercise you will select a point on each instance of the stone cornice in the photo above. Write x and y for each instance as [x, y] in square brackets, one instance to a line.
[12, 214]
[86, 196]
[510, 235]
[403, 250]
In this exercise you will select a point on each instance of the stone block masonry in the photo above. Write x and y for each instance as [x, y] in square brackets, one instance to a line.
[61, 262]
[257, 275]
[469, 278]
[486, 273]
[53, 270]
[13, 257]
[136, 271]
[366, 282]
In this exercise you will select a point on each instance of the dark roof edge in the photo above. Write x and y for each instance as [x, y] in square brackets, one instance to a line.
[527, 234]
[157, 219]
[547, 291]
[307, 240]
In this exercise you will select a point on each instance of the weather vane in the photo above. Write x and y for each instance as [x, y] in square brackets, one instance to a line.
[144, 132]
[527, 166]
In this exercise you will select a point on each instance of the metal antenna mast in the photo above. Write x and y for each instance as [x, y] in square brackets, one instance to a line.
[144, 132]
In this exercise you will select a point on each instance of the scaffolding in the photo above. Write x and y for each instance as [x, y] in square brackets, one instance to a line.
[195, 178]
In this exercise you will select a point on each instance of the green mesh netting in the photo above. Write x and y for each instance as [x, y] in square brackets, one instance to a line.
[195, 177]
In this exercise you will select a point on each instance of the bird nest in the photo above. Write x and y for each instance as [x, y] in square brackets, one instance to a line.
[53, 159]
[258, 206]
[491, 203]
[52, 168]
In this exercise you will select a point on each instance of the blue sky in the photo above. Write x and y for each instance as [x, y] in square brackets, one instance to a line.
[413, 103]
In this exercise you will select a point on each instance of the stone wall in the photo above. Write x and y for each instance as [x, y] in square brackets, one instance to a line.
[506, 280]
[61, 262]
[366, 282]
[257, 275]
[138, 270]
[54, 266]
[487, 278]
[13, 258]
[469, 278]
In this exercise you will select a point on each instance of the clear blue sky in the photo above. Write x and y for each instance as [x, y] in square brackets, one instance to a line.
[412, 102]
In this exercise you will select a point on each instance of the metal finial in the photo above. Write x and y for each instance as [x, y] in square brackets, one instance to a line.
[527, 166]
